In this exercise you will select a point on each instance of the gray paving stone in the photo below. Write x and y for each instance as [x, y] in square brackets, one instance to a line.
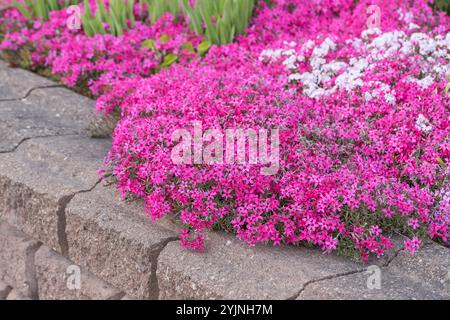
[430, 266]
[229, 269]
[41, 176]
[56, 279]
[15, 82]
[46, 112]
[16, 260]
[115, 240]
[16, 295]
[5, 289]
[425, 275]
[394, 286]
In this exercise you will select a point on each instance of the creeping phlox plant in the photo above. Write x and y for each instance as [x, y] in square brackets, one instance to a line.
[364, 134]
[117, 40]
[363, 116]
[93, 63]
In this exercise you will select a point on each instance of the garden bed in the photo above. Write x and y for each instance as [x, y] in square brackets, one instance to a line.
[56, 216]
[362, 117]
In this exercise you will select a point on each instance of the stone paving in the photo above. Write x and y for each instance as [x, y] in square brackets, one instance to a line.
[55, 213]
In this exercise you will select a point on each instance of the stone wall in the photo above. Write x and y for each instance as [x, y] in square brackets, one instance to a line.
[31, 270]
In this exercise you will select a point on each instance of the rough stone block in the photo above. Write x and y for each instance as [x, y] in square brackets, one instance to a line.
[5, 289]
[115, 240]
[17, 260]
[425, 275]
[16, 295]
[393, 286]
[46, 112]
[57, 280]
[15, 83]
[230, 269]
[40, 177]
[429, 266]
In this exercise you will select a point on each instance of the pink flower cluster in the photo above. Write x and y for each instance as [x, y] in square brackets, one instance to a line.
[363, 115]
[97, 62]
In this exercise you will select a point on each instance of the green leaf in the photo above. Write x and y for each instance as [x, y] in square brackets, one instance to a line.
[169, 60]
[24, 10]
[149, 44]
[204, 46]
[441, 162]
[165, 38]
[189, 47]
[447, 88]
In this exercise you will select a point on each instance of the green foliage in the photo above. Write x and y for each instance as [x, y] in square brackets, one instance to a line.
[169, 58]
[119, 17]
[157, 8]
[443, 5]
[219, 20]
[41, 8]
[447, 88]
[203, 47]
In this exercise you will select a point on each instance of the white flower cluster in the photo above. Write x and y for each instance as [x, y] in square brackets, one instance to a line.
[380, 89]
[423, 124]
[433, 60]
[434, 56]
[407, 16]
[367, 33]
[289, 55]
[314, 82]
